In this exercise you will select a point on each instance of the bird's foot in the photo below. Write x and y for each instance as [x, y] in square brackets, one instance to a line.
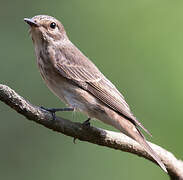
[84, 124]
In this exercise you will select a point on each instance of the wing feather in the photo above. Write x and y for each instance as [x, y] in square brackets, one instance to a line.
[75, 66]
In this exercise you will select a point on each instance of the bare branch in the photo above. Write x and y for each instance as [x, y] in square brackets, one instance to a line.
[91, 134]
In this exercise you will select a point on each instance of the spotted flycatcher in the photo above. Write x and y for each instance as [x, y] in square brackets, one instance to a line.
[72, 77]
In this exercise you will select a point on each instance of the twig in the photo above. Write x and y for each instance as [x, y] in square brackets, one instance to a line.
[91, 134]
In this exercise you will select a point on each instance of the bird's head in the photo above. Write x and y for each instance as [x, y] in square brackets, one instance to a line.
[45, 28]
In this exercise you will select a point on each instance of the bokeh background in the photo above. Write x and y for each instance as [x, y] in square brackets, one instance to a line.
[137, 44]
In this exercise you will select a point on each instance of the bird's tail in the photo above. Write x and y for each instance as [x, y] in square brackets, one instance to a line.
[134, 133]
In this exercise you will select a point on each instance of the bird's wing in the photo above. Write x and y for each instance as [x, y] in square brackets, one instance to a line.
[73, 65]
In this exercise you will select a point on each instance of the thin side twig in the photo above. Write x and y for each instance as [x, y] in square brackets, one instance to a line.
[91, 134]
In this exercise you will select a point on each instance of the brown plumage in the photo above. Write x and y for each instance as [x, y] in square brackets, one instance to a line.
[79, 83]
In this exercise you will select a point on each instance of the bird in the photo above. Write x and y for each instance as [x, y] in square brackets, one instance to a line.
[77, 82]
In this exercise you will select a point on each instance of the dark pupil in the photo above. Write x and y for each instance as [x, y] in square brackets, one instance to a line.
[53, 25]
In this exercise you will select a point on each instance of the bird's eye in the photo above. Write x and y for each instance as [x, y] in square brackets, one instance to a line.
[53, 25]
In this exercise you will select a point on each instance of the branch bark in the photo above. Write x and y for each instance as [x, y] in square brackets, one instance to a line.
[91, 134]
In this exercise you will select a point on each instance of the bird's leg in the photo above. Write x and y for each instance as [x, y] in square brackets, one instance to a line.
[85, 124]
[54, 110]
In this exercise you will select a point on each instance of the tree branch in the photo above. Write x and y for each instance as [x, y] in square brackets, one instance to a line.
[91, 134]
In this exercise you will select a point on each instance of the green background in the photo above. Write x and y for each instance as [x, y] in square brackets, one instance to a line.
[136, 44]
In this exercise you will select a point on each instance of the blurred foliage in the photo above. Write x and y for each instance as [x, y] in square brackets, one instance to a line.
[136, 44]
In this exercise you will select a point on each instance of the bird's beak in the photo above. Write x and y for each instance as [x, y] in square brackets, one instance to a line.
[31, 22]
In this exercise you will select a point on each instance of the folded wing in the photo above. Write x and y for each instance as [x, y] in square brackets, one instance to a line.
[73, 65]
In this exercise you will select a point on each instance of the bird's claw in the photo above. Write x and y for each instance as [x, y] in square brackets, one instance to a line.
[74, 140]
[51, 110]
[86, 123]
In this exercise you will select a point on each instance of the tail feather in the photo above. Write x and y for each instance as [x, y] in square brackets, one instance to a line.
[139, 137]
[132, 131]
